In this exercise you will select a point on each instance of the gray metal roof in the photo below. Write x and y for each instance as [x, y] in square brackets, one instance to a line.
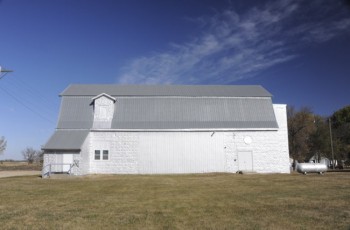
[193, 113]
[75, 113]
[162, 108]
[173, 113]
[66, 140]
[168, 90]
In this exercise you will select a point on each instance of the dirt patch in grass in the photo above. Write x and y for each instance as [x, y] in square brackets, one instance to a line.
[19, 173]
[207, 201]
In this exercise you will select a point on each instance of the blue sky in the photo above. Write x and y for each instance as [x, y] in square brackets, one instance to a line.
[298, 50]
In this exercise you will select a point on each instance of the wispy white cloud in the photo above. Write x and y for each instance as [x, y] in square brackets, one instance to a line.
[234, 46]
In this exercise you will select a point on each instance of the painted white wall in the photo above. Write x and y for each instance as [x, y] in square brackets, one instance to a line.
[82, 160]
[179, 152]
[158, 152]
[67, 160]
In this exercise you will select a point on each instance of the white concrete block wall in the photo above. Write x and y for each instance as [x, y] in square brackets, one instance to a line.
[123, 152]
[230, 148]
[283, 154]
[47, 159]
[82, 160]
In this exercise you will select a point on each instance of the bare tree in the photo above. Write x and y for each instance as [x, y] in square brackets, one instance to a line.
[320, 139]
[2, 144]
[31, 155]
[300, 127]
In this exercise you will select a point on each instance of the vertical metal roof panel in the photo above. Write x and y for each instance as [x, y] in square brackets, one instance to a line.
[66, 140]
[75, 113]
[193, 113]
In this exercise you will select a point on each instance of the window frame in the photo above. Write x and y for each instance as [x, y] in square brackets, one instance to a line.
[97, 151]
[101, 153]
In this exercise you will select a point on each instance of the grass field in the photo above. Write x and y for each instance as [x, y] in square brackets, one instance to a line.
[18, 165]
[208, 201]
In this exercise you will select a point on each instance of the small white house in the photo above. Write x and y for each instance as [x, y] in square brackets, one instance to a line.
[160, 129]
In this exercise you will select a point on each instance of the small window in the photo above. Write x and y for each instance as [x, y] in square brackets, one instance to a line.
[103, 112]
[105, 154]
[97, 154]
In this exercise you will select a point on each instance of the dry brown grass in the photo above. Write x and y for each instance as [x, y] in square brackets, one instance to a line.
[19, 165]
[208, 201]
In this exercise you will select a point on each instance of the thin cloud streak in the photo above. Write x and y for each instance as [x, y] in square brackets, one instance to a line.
[233, 46]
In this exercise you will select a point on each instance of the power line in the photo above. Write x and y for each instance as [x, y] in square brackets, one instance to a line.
[28, 93]
[31, 90]
[20, 102]
[29, 101]
[31, 97]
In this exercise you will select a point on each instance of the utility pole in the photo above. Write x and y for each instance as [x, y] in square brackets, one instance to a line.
[3, 72]
[330, 133]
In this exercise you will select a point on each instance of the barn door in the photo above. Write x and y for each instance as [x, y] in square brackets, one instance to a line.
[245, 161]
[67, 160]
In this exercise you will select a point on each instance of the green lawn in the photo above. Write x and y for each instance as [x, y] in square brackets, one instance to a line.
[208, 201]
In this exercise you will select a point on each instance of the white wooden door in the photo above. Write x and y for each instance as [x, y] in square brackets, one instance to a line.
[245, 161]
[67, 160]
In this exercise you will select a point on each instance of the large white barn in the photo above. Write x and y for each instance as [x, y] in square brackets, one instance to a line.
[159, 129]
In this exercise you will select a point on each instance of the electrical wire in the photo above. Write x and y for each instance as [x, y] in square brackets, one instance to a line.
[30, 96]
[26, 106]
[3, 75]
[32, 91]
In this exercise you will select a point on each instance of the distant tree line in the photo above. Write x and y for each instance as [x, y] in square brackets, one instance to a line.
[29, 154]
[310, 134]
